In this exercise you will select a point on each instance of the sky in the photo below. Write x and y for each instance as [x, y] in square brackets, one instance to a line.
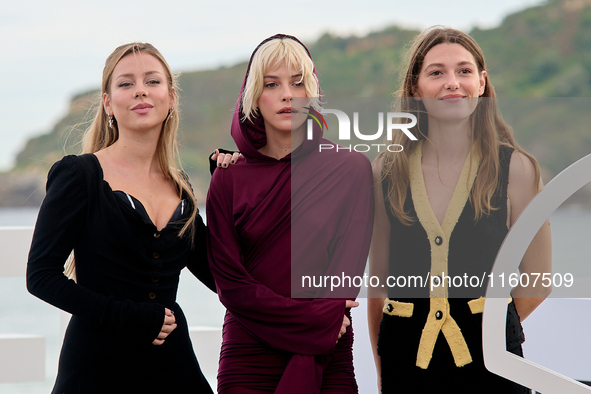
[54, 50]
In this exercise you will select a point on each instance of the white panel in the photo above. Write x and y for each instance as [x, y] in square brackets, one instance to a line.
[22, 358]
[14, 249]
[207, 342]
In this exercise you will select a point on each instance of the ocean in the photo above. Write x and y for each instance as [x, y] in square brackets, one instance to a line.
[556, 333]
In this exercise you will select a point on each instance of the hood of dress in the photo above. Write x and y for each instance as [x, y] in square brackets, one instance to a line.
[250, 136]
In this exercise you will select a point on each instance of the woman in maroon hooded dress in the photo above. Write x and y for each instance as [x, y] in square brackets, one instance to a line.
[286, 209]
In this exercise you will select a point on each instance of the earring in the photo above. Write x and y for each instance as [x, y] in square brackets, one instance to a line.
[111, 122]
[170, 116]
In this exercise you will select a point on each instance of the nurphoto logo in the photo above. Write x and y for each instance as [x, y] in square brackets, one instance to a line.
[394, 121]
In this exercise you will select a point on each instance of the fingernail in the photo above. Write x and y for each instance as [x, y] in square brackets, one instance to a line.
[232, 162]
[219, 165]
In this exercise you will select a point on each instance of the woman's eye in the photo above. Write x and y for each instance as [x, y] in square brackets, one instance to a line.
[435, 73]
[154, 82]
[124, 84]
[465, 71]
[299, 84]
[270, 85]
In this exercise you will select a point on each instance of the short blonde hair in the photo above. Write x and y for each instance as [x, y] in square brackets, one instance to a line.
[267, 56]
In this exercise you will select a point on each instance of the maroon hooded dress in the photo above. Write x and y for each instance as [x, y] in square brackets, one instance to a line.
[265, 216]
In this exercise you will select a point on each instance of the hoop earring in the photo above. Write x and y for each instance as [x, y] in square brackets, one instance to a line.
[111, 122]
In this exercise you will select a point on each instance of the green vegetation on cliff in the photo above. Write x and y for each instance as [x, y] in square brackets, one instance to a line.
[543, 51]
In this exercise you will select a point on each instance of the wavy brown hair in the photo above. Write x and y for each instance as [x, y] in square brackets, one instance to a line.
[489, 130]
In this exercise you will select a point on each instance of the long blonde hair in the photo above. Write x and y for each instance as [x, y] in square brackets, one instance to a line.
[99, 135]
[491, 131]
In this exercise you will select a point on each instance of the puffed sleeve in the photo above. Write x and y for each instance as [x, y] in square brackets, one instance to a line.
[62, 218]
[308, 327]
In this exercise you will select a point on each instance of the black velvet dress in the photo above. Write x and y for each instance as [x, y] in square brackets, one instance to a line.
[127, 274]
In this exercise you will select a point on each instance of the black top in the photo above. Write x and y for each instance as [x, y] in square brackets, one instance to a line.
[127, 273]
[473, 245]
[472, 249]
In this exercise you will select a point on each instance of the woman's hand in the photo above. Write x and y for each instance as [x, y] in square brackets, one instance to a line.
[168, 327]
[223, 160]
[346, 321]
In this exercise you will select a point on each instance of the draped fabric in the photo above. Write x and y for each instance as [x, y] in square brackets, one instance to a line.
[311, 211]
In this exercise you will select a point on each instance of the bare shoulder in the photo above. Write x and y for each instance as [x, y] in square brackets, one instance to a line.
[522, 171]
[523, 185]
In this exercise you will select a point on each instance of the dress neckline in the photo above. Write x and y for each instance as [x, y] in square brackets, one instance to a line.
[459, 197]
[439, 235]
[142, 212]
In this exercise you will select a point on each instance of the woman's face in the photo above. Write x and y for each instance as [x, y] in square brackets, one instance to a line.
[140, 96]
[449, 83]
[281, 84]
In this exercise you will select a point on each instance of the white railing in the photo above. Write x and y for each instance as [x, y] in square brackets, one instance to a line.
[22, 357]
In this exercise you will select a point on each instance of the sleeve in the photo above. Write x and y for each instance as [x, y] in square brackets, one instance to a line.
[198, 264]
[212, 163]
[353, 189]
[61, 220]
[299, 326]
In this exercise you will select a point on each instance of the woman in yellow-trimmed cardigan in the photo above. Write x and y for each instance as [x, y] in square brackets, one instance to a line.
[443, 208]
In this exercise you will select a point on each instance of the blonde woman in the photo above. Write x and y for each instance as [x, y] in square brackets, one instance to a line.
[129, 215]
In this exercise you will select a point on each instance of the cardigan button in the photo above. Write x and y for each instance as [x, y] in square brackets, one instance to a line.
[155, 280]
[438, 240]
[438, 315]
[152, 295]
[157, 234]
[436, 281]
[156, 255]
